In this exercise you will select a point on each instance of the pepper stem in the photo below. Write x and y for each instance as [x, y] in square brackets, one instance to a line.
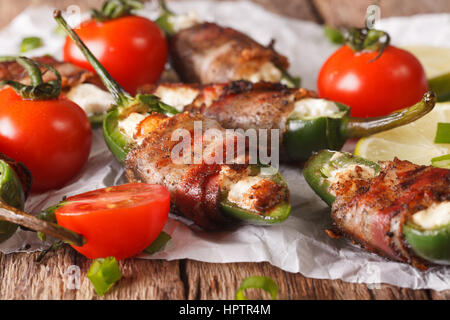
[359, 127]
[11, 214]
[121, 97]
[38, 90]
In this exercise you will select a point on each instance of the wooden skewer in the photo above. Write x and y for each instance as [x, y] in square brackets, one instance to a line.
[11, 214]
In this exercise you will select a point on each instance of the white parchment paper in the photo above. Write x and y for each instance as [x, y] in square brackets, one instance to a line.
[299, 244]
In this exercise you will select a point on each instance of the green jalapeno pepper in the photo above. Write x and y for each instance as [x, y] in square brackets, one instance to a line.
[441, 86]
[120, 144]
[12, 193]
[318, 170]
[15, 185]
[304, 135]
[275, 215]
[432, 245]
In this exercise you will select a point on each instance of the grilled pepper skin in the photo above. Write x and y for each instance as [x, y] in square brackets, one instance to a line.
[431, 245]
[319, 166]
[441, 86]
[307, 135]
[277, 215]
[117, 142]
[12, 193]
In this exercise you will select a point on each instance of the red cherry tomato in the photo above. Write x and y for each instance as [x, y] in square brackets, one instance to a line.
[372, 88]
[51, 137]
[117, 222]
[133, 50]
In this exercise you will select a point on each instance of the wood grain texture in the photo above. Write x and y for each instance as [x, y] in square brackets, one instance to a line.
[23, 278]
[218, 281]
[300, 9]
[353, 12]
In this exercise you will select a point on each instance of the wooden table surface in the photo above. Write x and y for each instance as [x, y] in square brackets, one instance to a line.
[23, 278]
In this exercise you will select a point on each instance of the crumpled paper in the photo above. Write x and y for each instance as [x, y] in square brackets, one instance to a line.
[298, 245]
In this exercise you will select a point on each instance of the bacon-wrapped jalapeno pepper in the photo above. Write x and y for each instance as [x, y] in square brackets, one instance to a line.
[305, 123]
[203, 52]
[212, 193]
[394, 208]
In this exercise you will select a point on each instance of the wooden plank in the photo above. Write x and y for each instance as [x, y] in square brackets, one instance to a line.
[300, 9]
[441, 295]
[220, 281]
[352, 12]
[10, 8]
[21, 277]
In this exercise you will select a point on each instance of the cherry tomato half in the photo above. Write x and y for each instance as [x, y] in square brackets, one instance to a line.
[118, 221]
[133, 50]
[394, 81]
[51, 137]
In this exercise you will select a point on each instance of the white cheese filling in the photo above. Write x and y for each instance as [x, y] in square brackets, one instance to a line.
[129, 125]
[267, 72]
[350, 172]
[436, 216]
[91, 98]
[184, 21]
[177, 97]
[314, 108]
[239, 189]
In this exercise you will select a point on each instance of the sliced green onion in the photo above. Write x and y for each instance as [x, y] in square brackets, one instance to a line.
[158, 244]
[443, 133]
[334, 35]
[441, 162]
[30, 43]
[257, 282]
[103, 274]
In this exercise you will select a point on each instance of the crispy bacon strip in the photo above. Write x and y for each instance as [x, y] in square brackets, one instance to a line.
[373, 213]
[71, 74]
[196, 188]
[239, 104]
[208, 53]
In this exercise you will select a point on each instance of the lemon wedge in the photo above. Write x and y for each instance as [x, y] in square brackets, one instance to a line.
[413, 142]
[435, 60]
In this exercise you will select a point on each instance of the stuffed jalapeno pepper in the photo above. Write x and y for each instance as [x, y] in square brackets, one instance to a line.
[394, 208]
[210, 191]
[204, 52]
[305, 123]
